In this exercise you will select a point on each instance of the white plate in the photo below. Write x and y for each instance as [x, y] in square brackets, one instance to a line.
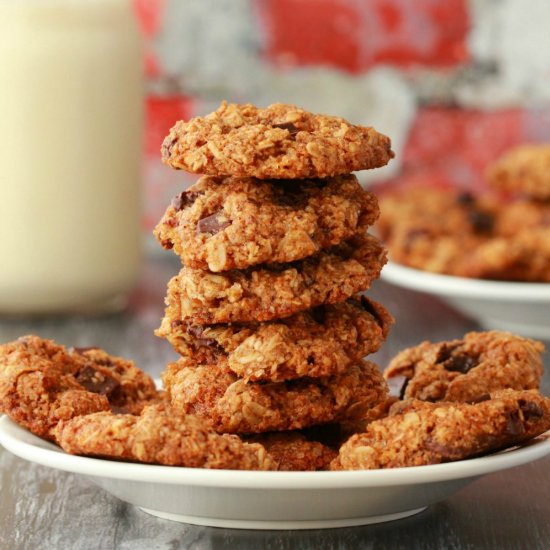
[523, 308]
[272, 500]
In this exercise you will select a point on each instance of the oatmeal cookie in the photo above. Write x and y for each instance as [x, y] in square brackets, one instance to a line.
[423, 249]
[292, 451]
[520, 215]
[464, 370]
[419, 236]
[42, 383]
[275, 291]
[524, 256]
[435, 212]
[279, 141]
[214, 392]
[524, 170]
[421, 433]
[233, 223]
[322, 341]
[159, 436]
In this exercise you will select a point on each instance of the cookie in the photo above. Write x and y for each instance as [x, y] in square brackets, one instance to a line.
[212, 391]
[420, 210]
[524, 170]
[524, 256]
[234, 223]
[521, 215]
[159, 436]
[279, 141]
[429, 251]
[422, 433]
[465, 369]
[275, 291]
[42, 383]
[320, 342]
[418, 235]
[292, 451]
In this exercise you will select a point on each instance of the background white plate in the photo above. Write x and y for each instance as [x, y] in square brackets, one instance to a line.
[523, 308]
[272, 500]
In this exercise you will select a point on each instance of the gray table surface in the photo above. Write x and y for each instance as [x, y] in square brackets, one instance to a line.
[45, 508]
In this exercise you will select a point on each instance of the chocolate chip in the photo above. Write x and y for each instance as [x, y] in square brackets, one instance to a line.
[290, 193]
[456, 362]
[530, 410]
[208, 343]
[184, 199]
[514, 426]
[199, 341]
[445, 351]
[96, 382]
[460, 363]
[465, 198]
[481, 222]
[293, 130]
[212, 224]
[397, 386]
[310, 360]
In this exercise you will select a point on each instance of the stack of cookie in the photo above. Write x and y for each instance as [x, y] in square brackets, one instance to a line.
[265, 311]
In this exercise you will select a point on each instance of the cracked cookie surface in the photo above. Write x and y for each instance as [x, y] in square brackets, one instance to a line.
[233, 223]
[279, 141]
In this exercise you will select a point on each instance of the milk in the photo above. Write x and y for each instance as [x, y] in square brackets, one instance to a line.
[70, 139]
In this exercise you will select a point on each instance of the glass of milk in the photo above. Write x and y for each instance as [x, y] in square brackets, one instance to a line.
[70, 140]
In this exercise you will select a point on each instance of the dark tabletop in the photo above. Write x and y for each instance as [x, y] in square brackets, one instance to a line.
[44, 508]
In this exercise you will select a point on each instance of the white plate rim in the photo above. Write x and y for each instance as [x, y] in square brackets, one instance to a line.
[451, 285]
[27, 446]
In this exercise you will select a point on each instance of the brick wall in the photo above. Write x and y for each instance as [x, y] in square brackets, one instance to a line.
[453, 82]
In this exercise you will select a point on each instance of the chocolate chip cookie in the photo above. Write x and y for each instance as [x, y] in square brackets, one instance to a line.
[42, 383]
[159, 436]
[466, 369]
[232, 405]
[223, 223]
[280, 141]
[273, 291]
[320, 342]
[524, 256]
[420, 433]
[524, 170]
[437, 229]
